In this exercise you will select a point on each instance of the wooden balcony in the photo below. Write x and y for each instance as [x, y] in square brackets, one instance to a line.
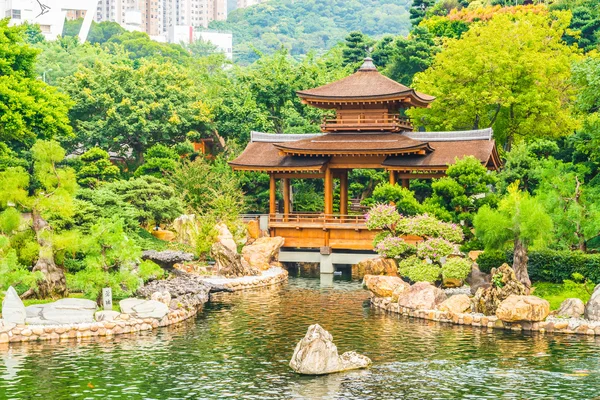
[384, 123]
[313, 231]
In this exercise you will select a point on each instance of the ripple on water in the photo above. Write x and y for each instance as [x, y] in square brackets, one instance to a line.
[240, 345]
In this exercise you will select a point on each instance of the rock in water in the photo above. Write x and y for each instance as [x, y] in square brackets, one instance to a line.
[316, 354]
[13, 309]
[592, 308]
[571, 308]
[504, 284]
[523, 308]
[262, 252]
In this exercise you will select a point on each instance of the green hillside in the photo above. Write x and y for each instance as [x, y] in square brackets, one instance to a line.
[307, 25]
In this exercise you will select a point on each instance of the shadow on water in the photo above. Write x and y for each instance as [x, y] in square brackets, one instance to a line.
[240, 345]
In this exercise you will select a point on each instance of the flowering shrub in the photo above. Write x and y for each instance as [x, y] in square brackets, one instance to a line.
[434, 249]
[429, 226]
[456, 268]
[393, 247]
[418, 270]
[383, 216]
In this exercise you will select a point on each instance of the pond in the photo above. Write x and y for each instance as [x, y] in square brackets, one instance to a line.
[240, 345]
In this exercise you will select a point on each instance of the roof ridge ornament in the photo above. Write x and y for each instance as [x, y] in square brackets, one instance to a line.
[368, 65]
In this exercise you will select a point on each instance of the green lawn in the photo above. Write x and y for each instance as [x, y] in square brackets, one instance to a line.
[555, 293]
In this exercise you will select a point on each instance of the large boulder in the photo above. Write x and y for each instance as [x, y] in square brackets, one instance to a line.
[375, 266]
[187, 230]
[316, 354]
[505, 284]
[253, 227]
[571, 308]
[63, 311]
[13, 309]
[141, 309]
[523, 308]
[592, 308]
[456, 304]
[228, 261]
[262, 252]
[167, 258]
[478, 279]
[381, 285]
[225, 237]
[106, 315]
[422, 296]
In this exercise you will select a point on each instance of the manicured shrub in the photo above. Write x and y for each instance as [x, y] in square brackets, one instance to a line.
[393, 247]
[548, 265]
[456, 268]
[418, 270]
[434, 249]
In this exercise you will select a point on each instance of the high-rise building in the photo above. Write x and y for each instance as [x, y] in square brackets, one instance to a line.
[247, 3]
[155, 17]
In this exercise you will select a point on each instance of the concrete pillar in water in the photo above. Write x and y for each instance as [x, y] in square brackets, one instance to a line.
[326, 280]
[326, 264]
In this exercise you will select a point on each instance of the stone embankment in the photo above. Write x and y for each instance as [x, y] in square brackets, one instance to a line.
[165, 303]
[505, 306]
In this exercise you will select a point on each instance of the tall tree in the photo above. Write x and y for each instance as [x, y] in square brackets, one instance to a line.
[412, 55]
[356, 48]
[511, 73]
[418, 10]
[127, 110]
[29, 109]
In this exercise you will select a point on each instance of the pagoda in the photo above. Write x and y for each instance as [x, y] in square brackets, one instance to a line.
[369, 130]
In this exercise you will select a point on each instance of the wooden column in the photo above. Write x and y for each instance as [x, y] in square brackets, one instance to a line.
[328, 192]
[344, 193]
[405, 183]
[286, 197]
[392, 177]
[272, 195]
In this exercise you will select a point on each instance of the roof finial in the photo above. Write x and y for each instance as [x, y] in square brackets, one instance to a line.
[368, 65]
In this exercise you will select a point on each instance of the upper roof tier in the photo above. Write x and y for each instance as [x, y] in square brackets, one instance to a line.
[365, 85]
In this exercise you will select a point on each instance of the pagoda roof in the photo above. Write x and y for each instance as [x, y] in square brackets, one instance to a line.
[355, 144]
[366, 84]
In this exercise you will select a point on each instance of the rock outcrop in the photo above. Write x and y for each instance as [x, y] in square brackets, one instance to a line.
[253, 229]
[262, 252]
[523, 308]
[63, 311]
[316, 354]
[375, 266]
[167, 258]
[140, 308]
[228, 261]
[505, 284]
[422, 296]
[570, 308]
[184, 291]
[456, 304]
[478, 279]
[187, 230]
[383, 286]
[592, 308]
[13, 309]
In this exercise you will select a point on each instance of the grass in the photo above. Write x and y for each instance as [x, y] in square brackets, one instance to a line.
[556, 293]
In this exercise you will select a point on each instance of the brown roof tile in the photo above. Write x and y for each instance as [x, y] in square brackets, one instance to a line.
[445, 153]
[265, 156]
[339, 143]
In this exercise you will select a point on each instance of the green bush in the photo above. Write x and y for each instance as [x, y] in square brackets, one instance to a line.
[456, 268]
[548, 265]
[418, 270]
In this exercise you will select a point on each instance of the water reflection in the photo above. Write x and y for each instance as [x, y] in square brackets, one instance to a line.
[240, 346]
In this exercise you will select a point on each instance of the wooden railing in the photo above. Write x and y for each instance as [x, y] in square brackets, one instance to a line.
[317, 218]
[390, 122]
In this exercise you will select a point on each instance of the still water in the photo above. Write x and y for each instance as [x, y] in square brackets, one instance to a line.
[240, 345]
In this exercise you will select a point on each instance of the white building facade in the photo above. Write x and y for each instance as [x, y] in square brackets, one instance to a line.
[247, 3]
[186, 34]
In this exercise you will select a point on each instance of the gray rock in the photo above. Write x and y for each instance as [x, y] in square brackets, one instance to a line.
[186, 291]
[571, 308]
[127, 305]
[592, 308]
[13, 309]
[63, 311]
[107, 315]
[139, 308]
[167, 258]
[316, 354]
[478, 279]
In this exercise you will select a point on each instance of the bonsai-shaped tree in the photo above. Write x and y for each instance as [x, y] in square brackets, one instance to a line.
[520, 220]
